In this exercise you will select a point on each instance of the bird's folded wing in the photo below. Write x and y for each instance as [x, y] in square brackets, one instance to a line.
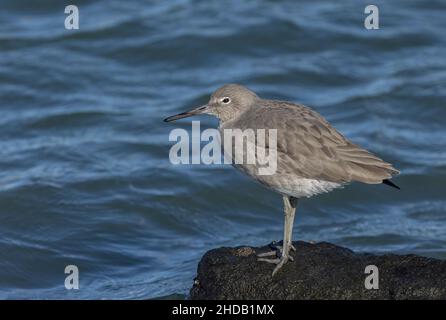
[309, 147]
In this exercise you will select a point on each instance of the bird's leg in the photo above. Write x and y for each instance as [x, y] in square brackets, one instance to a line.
[283, 252]
[277, 247]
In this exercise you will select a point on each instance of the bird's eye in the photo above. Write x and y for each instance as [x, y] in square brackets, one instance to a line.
[226, 100]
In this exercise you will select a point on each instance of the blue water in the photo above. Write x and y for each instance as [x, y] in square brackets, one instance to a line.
[85, 177]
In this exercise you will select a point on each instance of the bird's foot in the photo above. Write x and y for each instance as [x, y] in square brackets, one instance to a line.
[279, 262]
[281, 257]
[277, 250]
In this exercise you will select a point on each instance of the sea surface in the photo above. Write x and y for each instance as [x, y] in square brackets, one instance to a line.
[85, 176]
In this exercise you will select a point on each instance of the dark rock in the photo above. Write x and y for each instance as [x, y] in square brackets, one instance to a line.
[319, 271]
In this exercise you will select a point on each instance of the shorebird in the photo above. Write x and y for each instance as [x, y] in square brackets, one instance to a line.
[312, 156]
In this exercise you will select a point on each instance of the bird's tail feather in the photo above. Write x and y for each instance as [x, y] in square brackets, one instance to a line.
[390, 183]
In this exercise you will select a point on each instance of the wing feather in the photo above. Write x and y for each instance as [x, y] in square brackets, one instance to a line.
[309, 147]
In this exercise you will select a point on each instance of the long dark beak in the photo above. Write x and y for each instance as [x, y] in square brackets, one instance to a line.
[193, 112]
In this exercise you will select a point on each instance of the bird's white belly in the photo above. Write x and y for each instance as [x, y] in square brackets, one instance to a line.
[301, 187]
[289, 184]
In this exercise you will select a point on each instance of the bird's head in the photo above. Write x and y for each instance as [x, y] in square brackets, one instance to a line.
[226, 103]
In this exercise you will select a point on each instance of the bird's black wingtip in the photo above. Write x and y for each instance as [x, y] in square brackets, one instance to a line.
[390, 183]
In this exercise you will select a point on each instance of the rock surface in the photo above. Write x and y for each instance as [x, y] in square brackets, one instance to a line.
[319, 271]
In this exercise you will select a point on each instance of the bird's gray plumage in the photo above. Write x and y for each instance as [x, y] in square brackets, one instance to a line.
[309, 147]
[312, 156]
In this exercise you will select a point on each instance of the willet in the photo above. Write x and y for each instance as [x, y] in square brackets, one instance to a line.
[312, 156]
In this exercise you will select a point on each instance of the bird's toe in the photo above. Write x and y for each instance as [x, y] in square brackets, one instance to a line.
[281, 263]
[268, 254]
[273, 261]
